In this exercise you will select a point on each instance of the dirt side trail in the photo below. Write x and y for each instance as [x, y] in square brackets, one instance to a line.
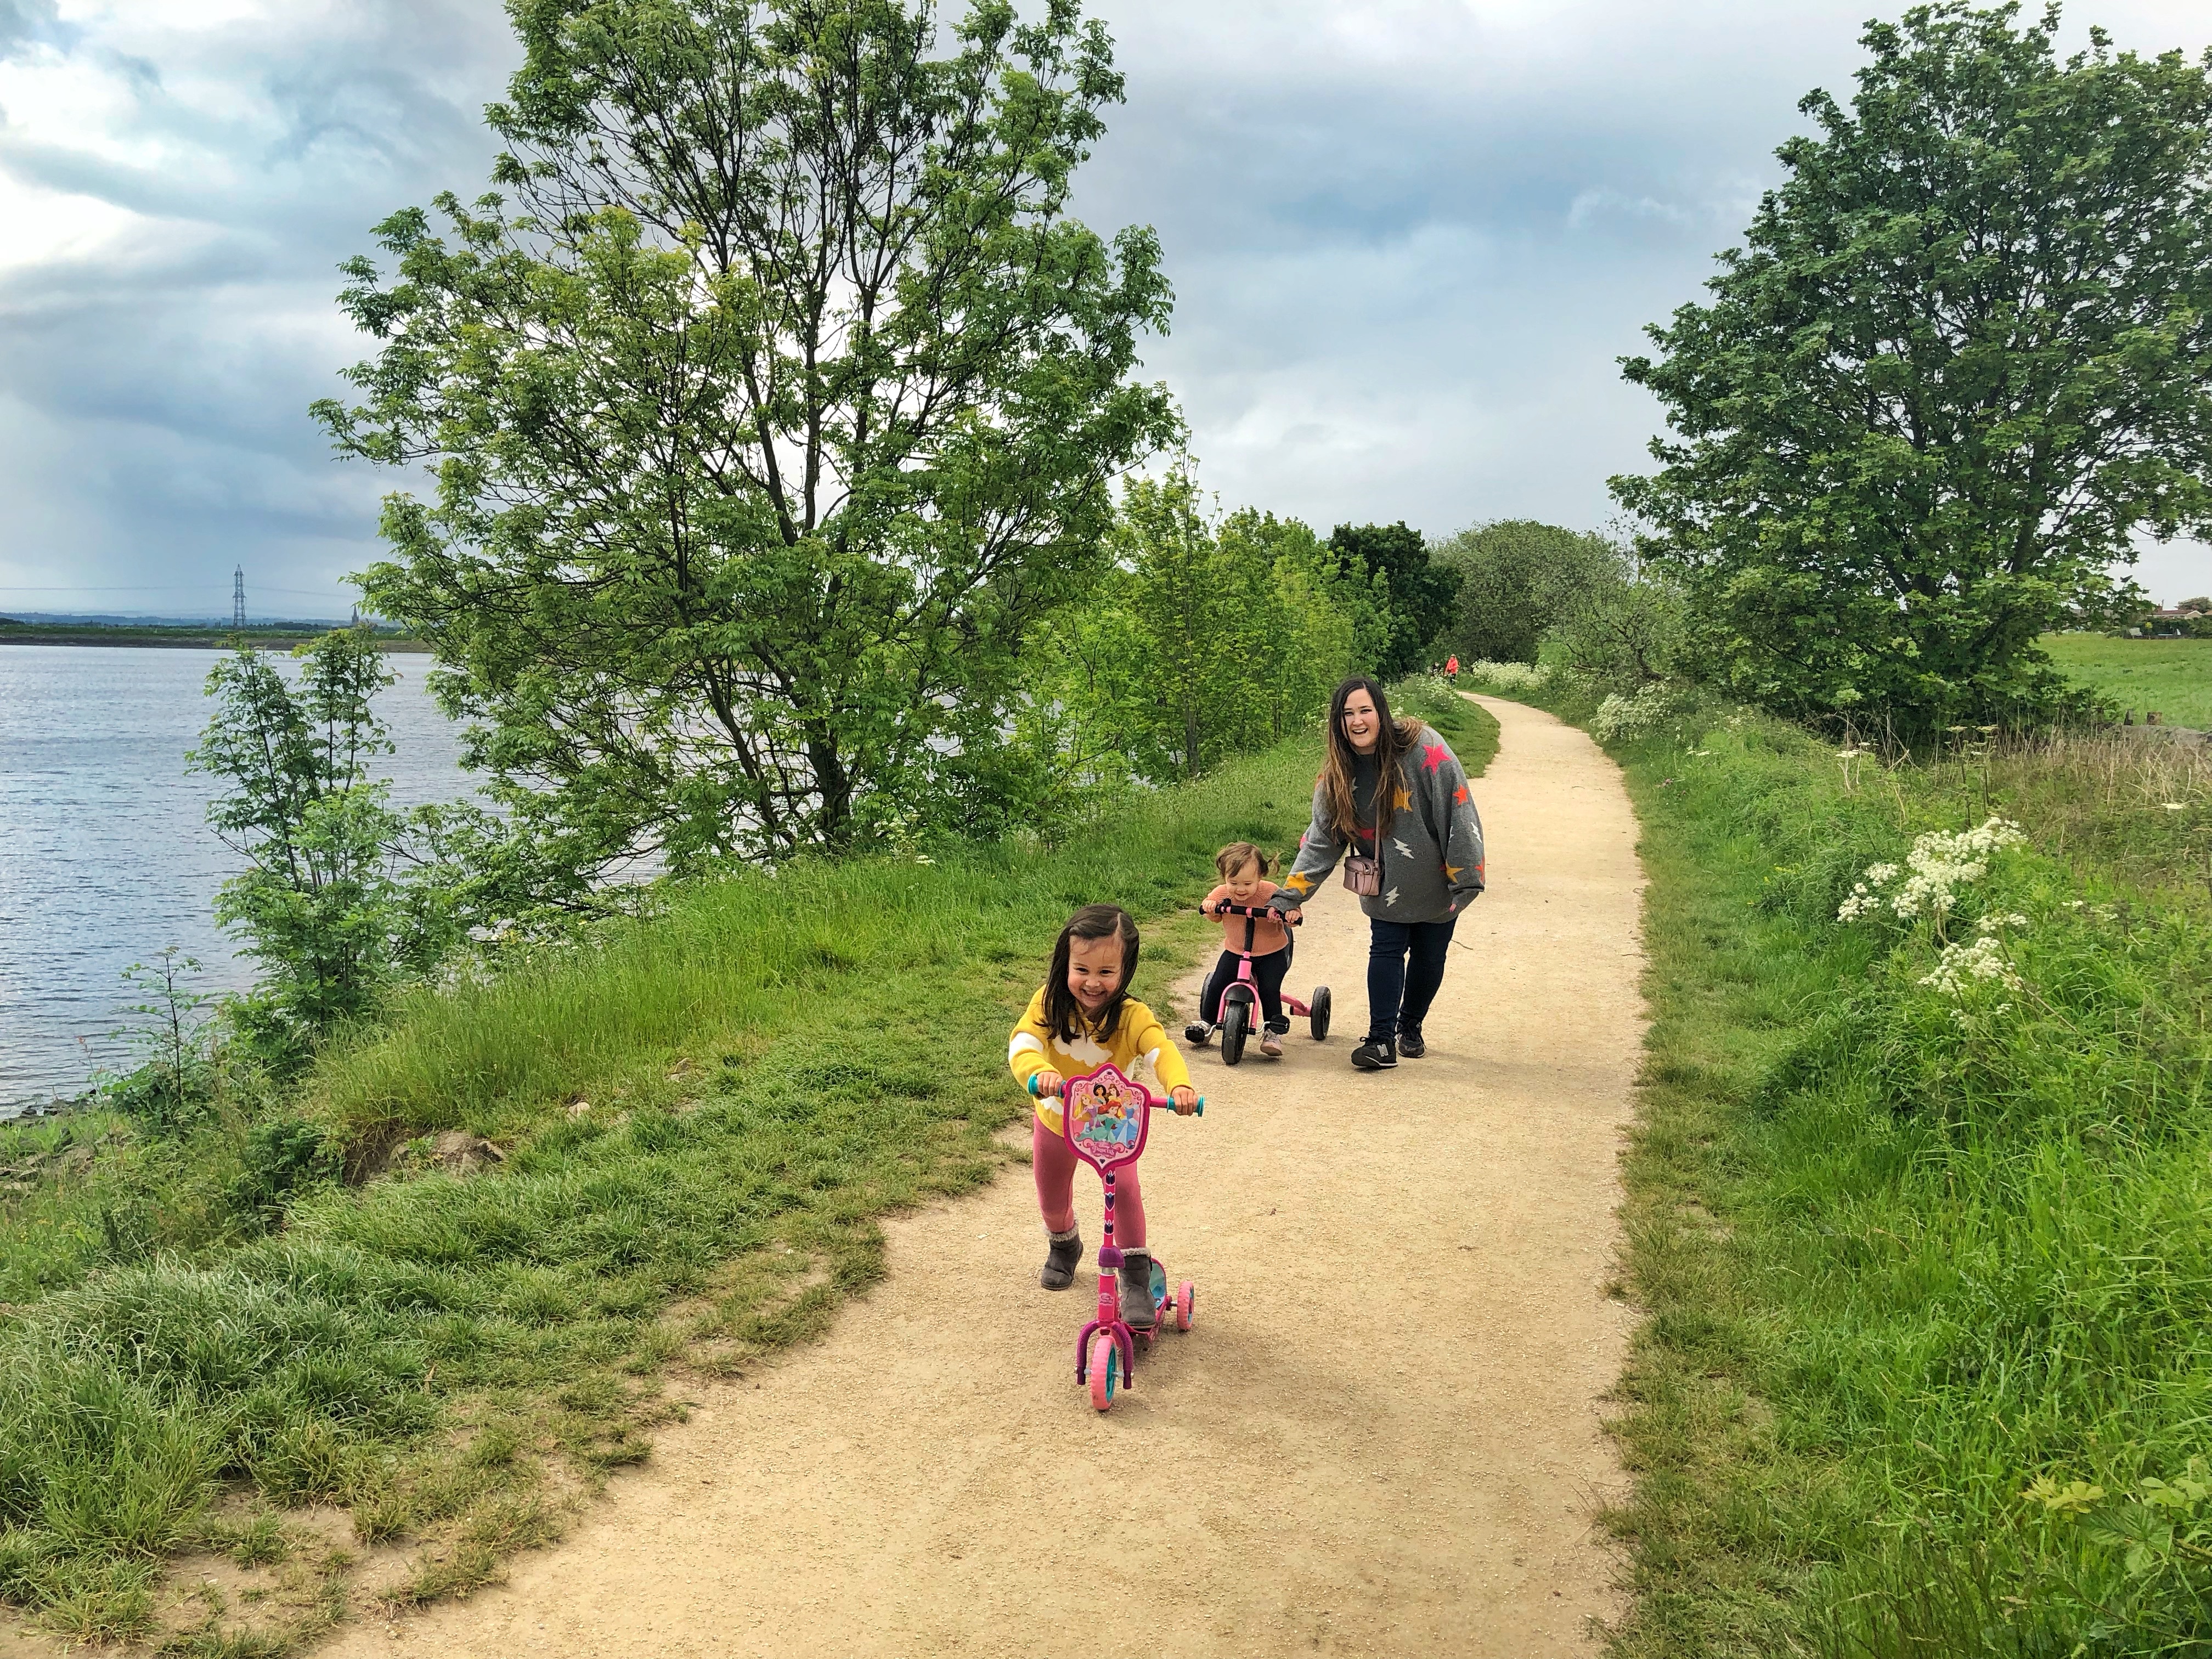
[1382, 1437]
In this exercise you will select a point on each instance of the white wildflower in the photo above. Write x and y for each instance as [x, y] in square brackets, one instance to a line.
[1509, 675]
[1997, 924]
[1940, 863]
[1960, 965]
[1628, 717]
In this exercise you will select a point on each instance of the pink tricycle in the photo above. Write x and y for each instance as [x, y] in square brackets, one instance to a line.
[1105, 1118]
[1240, 998]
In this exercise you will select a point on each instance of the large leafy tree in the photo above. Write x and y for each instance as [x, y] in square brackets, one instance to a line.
[770, 401]
[1964, 355]
[1423, 595]
[1519, 578]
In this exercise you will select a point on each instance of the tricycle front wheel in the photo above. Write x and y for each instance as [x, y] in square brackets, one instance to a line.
[1234, 1015]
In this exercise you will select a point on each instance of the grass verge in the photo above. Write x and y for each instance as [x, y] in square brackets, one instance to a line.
[660, 1153]
[1916, 1204]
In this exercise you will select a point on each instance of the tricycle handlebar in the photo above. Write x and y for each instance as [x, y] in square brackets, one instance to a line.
[1257, 912]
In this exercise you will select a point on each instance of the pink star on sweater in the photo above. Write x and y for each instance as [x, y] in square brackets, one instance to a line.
[1432, 756]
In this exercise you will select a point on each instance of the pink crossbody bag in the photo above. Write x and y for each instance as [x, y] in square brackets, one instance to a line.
[1363, 875]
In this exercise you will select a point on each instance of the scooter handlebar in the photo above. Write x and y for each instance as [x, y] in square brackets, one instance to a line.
[1157, 1103]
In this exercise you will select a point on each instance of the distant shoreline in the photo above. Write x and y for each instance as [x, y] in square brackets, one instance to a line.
[183, 639]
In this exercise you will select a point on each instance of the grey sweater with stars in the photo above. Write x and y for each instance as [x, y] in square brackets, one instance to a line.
[1431, 850]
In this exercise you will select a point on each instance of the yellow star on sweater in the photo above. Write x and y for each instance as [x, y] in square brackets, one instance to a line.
[1402, 799]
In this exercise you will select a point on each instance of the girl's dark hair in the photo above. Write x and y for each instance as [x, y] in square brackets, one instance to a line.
[1393, 739]
[1235, 856]
[1063, 1015]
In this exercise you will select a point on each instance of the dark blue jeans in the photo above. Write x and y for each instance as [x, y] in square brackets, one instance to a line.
[1399, 992]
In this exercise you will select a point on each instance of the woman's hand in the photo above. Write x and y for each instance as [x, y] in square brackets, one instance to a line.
[1049, 1082]
[1292, 915]
[1185, 1098]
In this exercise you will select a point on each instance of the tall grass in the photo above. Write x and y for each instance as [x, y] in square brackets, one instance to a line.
[1926, 1262]
[702, 1116]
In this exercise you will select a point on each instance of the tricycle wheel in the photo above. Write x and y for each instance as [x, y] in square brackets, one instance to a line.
[1234, 1014]
[1105, 1369]
[1319, 1016]
[1186, 1304]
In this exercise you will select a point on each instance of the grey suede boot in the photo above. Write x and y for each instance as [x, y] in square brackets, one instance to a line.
[1137, 1311]
[1060, 1261]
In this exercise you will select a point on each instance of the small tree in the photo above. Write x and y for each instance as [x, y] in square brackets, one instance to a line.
[1963, 357]
[1209, 639]
[171, 1083]
[324, 903]
[771, 407]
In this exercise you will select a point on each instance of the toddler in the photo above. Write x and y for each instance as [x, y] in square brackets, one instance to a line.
[1244, 881]
[1082, 1017]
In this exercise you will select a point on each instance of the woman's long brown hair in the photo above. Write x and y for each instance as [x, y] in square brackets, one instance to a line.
[1392, 739]
[1063, 1014]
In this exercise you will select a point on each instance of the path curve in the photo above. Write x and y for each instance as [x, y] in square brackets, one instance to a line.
[1383, 1436]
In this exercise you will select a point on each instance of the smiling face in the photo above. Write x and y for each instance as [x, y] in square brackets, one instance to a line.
[1244, 881]
[1095, 968]
[1363, 726]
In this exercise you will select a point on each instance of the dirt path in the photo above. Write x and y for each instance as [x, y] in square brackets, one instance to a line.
[1381, 1438]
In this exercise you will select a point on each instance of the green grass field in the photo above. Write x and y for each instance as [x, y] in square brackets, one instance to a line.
[2172, 677]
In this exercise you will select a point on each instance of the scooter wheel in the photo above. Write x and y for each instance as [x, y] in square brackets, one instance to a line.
[1105, 1370]
[1233, 1017]
[1186, 1304]
[1319, 1015]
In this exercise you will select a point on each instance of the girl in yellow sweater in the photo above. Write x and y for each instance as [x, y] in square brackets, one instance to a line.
[1081, 1017]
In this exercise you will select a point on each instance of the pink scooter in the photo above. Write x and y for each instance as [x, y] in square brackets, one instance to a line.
[1240, 998]
[1104, 1118]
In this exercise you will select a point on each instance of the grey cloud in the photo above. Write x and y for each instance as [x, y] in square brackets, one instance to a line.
[1408, 239]
[25, 23]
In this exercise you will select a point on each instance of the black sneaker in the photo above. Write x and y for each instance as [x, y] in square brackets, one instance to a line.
[1410, 1043]
[1375, 1054]
[1196, 1035]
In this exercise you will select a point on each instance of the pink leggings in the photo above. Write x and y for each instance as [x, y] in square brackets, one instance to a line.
[1055, 1162]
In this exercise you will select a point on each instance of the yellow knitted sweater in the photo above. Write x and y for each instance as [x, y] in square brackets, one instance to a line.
[1137, 1035]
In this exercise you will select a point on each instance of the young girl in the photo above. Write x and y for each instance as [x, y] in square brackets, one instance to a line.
[1244, 881]
[1081, 1017]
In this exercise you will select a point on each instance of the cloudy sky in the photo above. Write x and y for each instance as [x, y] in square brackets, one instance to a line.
[1409, 237]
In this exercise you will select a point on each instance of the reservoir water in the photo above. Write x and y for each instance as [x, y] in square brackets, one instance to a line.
[104, 853]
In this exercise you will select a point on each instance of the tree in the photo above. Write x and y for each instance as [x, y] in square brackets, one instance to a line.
[1209, 639]
[769, 417]
[1517, 578]
[327, 903]
[1422, 595]
[1965, 352]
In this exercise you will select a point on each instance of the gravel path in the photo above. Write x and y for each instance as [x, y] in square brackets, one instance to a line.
[1383, 1436]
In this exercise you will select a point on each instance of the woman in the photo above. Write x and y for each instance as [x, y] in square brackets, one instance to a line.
[1422, 840]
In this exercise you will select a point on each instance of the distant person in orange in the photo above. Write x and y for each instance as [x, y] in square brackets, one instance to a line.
[1451, 666]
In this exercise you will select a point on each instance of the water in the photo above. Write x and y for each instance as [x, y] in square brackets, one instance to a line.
[104, 853]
